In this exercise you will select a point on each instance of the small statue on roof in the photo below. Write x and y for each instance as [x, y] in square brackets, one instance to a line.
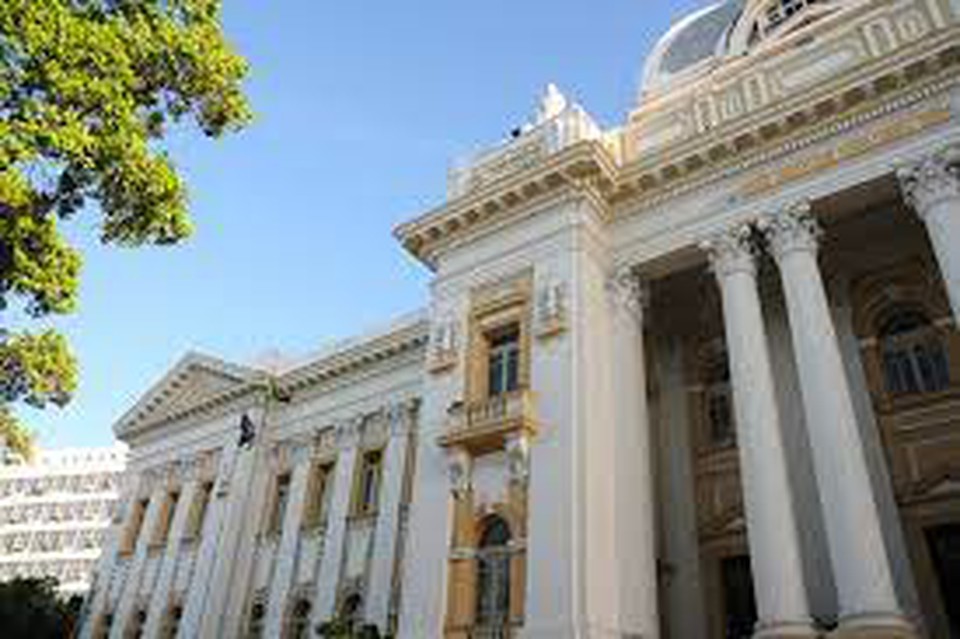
[552, 104]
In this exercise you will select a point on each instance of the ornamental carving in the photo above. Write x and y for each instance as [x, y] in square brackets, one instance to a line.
[518, 459]
[551, 309]
[460, 472]
[794, 228]
[403, 417]
[932, 180]
[629, 291]
[444, 346]
[732, 250]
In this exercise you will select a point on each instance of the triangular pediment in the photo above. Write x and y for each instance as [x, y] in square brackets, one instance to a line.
[193, 382]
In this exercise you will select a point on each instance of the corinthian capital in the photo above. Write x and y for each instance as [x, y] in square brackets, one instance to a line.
[931, 181]
[732, 250]
[629, 291]
[793, 228]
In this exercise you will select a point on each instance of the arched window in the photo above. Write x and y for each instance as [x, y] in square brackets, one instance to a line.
[914, 357]
[299, 627]
[493, 574]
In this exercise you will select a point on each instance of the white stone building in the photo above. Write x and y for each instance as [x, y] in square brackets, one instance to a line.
[55, 512]
[696, 375]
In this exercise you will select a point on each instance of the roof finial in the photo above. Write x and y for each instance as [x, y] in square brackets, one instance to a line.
[552, 104]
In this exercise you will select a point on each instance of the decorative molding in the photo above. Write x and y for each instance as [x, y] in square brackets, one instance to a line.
[792, 229]
[933, 180]
[871, 139]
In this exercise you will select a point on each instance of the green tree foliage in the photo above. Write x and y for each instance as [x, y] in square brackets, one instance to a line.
[32, 609]
[88, 91]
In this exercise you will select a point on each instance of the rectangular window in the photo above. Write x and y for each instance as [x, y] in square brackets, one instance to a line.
[281, 496]
[368, 486]
[322, 478]
[134, 526]
[503, 360]
[166, 518]
[200, 506]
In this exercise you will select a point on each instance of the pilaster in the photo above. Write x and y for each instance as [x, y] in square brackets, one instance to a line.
[348, 440]
[300, 455]
[402, 417]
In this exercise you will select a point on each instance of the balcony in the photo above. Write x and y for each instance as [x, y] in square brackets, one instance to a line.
[485, 425]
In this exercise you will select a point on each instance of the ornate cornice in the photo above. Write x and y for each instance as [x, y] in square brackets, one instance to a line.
[585, 167]
[856, 95]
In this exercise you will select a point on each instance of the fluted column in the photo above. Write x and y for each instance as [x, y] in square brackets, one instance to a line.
[636, 550]
[160, 598]
[348, 435]
[932, 188]
[402, 419]
[771, 520]
[287, 551]
[862, 571]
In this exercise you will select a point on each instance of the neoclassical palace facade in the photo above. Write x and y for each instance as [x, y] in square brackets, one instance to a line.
[694, 376]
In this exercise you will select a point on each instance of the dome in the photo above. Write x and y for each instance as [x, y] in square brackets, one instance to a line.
[699, 37]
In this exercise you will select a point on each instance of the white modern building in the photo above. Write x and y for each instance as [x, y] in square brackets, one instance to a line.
[55, 512]
[696, 375]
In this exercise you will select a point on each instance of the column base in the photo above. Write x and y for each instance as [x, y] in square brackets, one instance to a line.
[786, 630]
[877, 626]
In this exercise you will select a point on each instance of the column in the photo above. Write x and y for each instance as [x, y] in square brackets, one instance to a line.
[932, 188]
[402, 419]
[196, 598]
[868, 603]
[108, 560]
[160, 598]
[324, 607]
[635, 515]
[684, 597]
[287, 551]
[131, 589]
[771, 520]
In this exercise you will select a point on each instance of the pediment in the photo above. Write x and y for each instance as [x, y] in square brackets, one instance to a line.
[194, 381]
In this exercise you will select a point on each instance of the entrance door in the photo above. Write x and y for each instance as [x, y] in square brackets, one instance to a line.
[739, 605]
[944, 543]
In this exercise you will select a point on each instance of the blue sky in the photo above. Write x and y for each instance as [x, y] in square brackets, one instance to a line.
[361, 106]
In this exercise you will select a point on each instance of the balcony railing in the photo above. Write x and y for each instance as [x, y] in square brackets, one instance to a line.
[529, 148]
[485, 424]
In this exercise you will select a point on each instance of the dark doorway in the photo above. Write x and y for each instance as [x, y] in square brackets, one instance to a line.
[739, 605]
[944, 543]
